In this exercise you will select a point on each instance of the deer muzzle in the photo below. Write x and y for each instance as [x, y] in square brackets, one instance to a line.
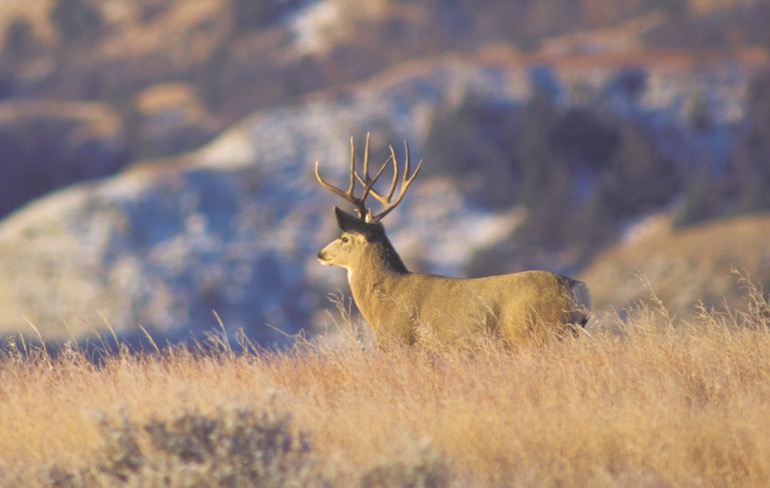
[323, 258]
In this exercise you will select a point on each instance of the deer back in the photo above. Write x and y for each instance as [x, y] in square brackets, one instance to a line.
[517, 307]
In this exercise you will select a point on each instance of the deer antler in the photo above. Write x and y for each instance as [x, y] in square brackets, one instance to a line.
[368, 183]
[406, 180]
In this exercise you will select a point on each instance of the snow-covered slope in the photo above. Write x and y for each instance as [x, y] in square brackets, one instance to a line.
[235, 227]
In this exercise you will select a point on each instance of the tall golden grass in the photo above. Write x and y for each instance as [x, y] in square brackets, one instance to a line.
[648, 401]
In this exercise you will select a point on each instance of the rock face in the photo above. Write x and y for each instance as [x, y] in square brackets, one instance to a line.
[46, 145]
[235, 227]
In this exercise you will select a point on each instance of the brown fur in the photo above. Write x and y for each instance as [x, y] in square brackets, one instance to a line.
[403, 307]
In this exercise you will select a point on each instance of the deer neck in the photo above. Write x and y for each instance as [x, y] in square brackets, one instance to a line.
[374, 276]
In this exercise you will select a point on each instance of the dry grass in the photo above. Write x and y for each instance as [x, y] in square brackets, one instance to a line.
[650, 402]
[684, 265]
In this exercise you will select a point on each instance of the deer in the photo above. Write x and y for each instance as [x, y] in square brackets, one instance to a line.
[407, 308]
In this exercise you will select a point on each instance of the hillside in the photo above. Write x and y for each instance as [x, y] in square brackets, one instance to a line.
[702, 265]
[177, 73]
[547, 129]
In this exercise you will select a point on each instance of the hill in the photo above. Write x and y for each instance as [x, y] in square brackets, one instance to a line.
[235, 226]
[177, 73]
[704, 265]
[544, 136]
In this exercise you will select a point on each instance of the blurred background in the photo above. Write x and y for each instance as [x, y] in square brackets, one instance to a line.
[157, 155]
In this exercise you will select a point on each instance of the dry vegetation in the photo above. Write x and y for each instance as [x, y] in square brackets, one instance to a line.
[651, 401]
[686, 266]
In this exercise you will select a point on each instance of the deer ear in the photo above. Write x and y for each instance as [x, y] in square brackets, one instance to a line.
[348, 222]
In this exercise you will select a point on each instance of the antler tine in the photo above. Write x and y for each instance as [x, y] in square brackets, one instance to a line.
[394, 181]
[368, 183]
[406, 180]
[347, 194]
[369, 190]
[366, 162]
[352, 184]
[385, 199]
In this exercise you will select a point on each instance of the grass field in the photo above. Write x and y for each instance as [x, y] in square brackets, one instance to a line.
[650, 401]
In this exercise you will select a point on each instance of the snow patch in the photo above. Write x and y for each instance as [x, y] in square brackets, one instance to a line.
[312, 27]
[231, 151]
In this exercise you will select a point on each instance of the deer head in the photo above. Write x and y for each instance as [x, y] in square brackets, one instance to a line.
[366, 228]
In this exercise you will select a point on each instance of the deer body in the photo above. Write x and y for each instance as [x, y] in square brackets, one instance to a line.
[407, 308]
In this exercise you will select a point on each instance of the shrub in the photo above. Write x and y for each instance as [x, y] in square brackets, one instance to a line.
[233, 447]
[421, 467]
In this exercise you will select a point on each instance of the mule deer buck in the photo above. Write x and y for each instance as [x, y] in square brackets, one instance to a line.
[407, 308]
